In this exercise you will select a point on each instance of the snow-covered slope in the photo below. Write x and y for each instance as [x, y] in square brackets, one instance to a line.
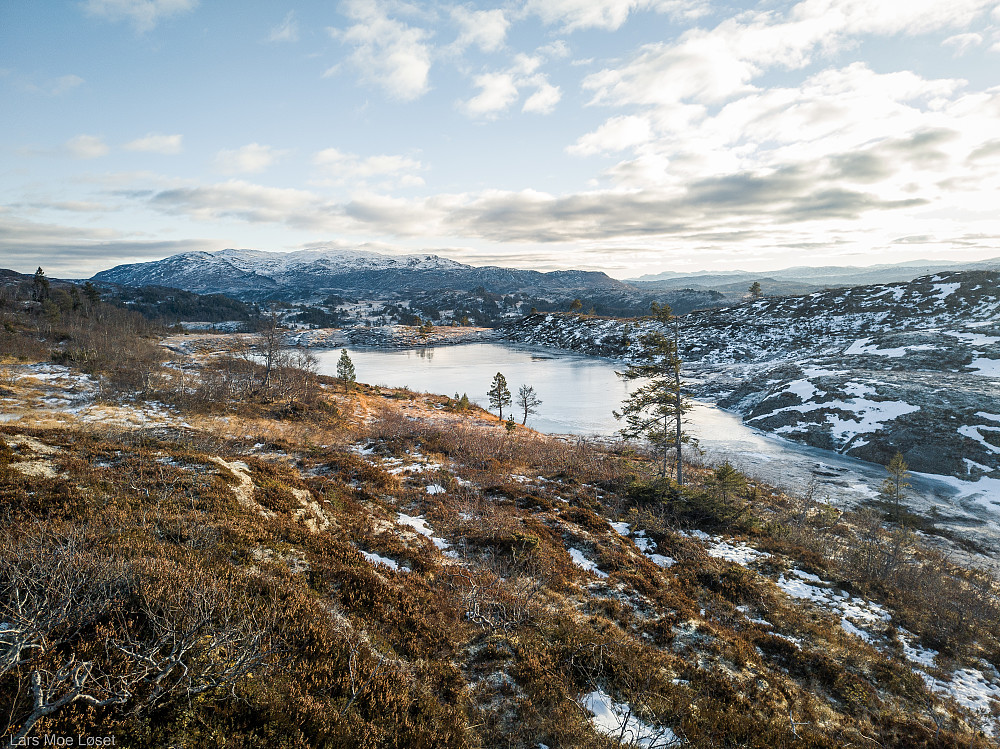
[865, 371]
[250, 274]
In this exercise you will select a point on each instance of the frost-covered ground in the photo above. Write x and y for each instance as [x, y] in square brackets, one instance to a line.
[864, 371]
[976, 689]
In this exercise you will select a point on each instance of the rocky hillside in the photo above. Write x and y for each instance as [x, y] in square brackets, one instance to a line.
[865, 371]
[182, 567]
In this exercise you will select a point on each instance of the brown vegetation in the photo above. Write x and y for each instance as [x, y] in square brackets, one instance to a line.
[216, 582]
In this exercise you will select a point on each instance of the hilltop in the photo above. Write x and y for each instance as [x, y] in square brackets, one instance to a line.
[215, 557]
[428, 284]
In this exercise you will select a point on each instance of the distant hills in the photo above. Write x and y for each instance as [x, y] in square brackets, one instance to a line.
[254, 274]
[427, 280]
[803, 279]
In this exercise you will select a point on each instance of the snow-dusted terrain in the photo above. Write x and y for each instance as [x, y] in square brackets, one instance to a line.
[865, 371]
[255, 274]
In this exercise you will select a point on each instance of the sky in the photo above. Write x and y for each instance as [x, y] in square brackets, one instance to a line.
[628, 136]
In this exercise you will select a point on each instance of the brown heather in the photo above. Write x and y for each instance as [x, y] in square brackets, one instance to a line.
[202, 584]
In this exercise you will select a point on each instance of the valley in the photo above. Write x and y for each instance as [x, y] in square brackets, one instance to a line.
[342, 563]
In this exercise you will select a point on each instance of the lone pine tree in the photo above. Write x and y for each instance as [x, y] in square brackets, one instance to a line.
[345, 370]
[893, 489]
[499, 394]
[654, 411]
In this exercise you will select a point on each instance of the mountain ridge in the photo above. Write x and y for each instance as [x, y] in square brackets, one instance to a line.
[250, 274]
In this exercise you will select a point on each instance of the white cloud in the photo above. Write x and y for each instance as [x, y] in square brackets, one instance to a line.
[962, 43]
[616, 134]
[544, 100]
[349, 167]
[154, 143]
[300, 209]
[499, 90]
[713, 65]
[387, 52]
[86, 147]
[606, 14]
[556, 50]
[242, 200]
[65, 83]
[832, 113]
[47, 87]
[252, 157]
[496, 92]
[144, 14]
[286, 31]
[486, 29]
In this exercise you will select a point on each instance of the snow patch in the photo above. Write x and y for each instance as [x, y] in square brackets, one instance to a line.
[379, 559]
[420, 526]
[582, 562]
[616, 719]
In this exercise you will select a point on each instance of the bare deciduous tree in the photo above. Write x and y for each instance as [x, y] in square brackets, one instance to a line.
[171, 632]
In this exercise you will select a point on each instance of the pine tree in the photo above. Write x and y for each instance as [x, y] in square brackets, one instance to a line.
[894, 488]
[654, 411]
[41, 285]
[727, 481]
[499, 394]
[756, 292]
[345, 370]
[90, 291]
[527, 402]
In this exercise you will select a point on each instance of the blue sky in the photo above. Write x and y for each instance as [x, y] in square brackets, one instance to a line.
[630, 136]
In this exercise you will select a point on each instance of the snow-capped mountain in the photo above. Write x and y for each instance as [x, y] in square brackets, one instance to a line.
[865, 371]
[254, 274]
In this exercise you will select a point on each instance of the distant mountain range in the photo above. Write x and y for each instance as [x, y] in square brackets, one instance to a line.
[253, 274]
[803, 279]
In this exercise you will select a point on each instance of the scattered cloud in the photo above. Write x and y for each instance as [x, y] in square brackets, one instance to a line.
[154, 143]
[556, 50]
[86, 147]
[344, 168]
[617, 134]
[496, 93]
[962, 43]
[485, 29]
[144, 14]
[286, 31]
[544, 100]
[609, 15]
[387, 52]
[241, 200]
[78, 251]
[251, 158]
[59, 86]
[713, 65]
[498, 90]
[44, 86]
[65, 83]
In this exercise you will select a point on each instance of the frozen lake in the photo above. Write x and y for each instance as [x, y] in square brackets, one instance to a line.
[578, 396]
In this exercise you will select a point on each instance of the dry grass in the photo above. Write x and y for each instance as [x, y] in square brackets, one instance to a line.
[490, 646]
